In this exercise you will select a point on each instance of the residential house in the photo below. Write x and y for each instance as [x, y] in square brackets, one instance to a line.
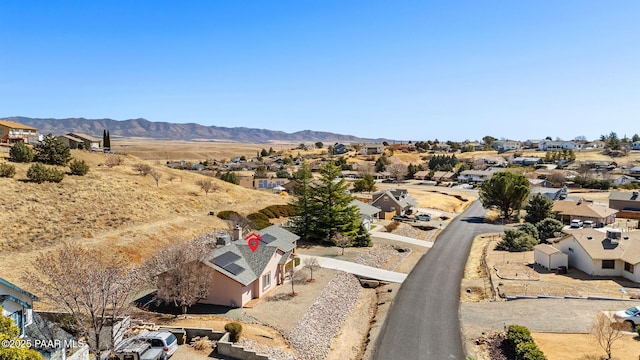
[491, 160]
[237, 274]
[267, 183]
[422, 175]
[367, 212]
[621, 180]
[540, 182]
[12, 132]
[549, 257]
[408, 147]
[71, 141]
[634, 171]
[532, 143]
[595, 253]
[89, 142]
[372, 149]
[17, 304]
[550, 145]
[444, 176]
[392, 202]
[506, 145]
[567, 210]
[635, 145]
[527, 161]
[626, 202]
[339, 149]
[475, 176]
[548, 192]
[472, 146]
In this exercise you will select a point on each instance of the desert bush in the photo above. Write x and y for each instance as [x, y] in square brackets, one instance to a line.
[21, 153]
[259, 220]
[516, 241]
[143, 169]
[7, 170]
[202, 344]
[520, 343]
[227, 214]
[234, 329]
[39, 173]
[277, 211]
[79, 168]
[113, 160]
[268, 213]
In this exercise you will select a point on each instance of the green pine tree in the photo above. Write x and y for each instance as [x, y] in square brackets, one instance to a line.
[104, 138]
[334, 214]
[302, 222]
[52, 151]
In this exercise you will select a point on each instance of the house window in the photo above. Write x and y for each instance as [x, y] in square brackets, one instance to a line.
[628, 267]
[266, 281]
[386, 198]
[608, 264]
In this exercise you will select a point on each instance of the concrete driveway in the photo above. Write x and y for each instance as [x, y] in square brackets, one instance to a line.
[358, 269]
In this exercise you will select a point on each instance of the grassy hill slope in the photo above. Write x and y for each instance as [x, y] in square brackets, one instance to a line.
[112, 209]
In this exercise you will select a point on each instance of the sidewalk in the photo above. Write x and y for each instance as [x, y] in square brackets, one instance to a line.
[358, 269]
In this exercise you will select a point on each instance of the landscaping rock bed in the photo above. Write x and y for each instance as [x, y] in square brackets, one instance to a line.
[313, 334]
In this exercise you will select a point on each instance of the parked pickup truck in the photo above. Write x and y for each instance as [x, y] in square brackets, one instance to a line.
[138, 349]
[403, 218]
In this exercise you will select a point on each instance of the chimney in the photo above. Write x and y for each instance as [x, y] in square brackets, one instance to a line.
[237, 233]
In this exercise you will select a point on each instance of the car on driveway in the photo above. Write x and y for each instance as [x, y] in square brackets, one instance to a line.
[161, 339]
[630, 316]
[403, 218]
[423, 217]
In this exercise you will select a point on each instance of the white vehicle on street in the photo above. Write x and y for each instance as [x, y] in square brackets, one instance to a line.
[630, 316]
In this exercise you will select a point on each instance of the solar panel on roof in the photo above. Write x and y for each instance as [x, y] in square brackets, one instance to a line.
[267, 238]
[225, 259]
[235, 269]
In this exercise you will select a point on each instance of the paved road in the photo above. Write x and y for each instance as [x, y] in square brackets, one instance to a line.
[423, 321]
[358, 269]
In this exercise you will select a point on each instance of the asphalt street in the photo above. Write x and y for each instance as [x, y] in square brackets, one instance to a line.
[423, 320]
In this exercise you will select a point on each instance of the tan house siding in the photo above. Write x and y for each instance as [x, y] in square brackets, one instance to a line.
[224, 291]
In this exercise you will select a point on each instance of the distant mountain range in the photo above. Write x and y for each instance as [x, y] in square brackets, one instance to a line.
[171, 131]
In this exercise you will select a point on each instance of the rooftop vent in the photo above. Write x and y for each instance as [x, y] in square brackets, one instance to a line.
[589, 238]
[614, 234]
[626, 238]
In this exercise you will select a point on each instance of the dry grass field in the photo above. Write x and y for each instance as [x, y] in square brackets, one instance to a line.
[112, 209]
[169, 150]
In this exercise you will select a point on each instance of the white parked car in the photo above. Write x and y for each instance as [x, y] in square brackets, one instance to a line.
[630, 316]
[576, 224]
[161, 339]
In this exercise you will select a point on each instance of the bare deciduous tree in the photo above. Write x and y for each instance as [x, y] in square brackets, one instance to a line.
[397, 171]
[341, 241]
[311, 263]
[141, 168]
[242, 221]
[171, 177]
[176, 272]
[607, 332]
[156, 175]
[295, 277]
[366, 168]
[205, 185]
[93, 287]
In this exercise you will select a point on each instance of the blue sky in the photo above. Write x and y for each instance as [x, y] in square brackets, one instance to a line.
[406, 70]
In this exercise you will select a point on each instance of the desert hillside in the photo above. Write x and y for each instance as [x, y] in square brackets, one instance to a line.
[112, 209]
